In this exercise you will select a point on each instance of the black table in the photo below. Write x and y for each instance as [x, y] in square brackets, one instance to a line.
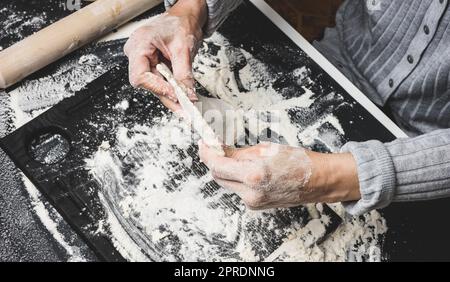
[415, 229]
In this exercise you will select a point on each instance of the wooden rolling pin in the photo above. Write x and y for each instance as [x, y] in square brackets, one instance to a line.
[67, 35]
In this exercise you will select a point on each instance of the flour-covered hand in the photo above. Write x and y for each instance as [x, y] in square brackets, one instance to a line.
[265, 176]
[172, 38]
[270, 175]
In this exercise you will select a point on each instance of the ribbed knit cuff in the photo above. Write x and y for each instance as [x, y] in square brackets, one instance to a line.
[376, 175]
[218, 11]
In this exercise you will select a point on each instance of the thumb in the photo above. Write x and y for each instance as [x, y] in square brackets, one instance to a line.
[246, 153]
[230, 152]
[182, 71]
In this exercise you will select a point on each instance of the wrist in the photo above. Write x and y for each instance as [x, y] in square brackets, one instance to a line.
[194, 11]
[334, 177]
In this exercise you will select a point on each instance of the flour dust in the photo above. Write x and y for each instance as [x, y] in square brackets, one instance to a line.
[34, 97]
[161, 202]
[164, 202]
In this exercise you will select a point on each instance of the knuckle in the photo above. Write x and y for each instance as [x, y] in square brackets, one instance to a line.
[255, 201]
[255, 178]
[141, 32]
[129, 47]
[215, 174]
[135, 81]
[138, 39]
[259, 177]
[186, 74]
[126, 48]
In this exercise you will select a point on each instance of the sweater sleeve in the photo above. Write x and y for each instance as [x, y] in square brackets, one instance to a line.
[410, 169]
[218, 11]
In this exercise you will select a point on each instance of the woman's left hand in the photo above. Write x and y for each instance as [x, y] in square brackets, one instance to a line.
[269, 175]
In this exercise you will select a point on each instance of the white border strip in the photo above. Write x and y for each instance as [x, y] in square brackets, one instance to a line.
[328, 67]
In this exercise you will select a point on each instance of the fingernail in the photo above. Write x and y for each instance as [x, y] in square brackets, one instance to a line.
[192, 94]
[171, 98]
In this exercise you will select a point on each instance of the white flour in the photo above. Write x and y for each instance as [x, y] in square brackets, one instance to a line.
[140, 201]
[355, 240]
[34, 97]
[16, 24]
[214, 73]
[50, 219]
[179, 222]
[123, 105]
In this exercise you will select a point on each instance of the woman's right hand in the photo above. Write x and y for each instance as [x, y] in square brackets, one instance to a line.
[172, 38]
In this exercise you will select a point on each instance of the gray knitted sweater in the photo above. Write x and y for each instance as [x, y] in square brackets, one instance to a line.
[398, 53]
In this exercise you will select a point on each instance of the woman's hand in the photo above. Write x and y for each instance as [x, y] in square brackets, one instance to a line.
[172, 38]
[274, 176]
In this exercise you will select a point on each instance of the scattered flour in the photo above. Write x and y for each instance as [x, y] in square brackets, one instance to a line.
[153, 189]
[355, 240]
[17, 24]
[311, 133]
[123, 106]
[215, 74]
[171, 212]
[34, 97]
[179, 223]
[50, 219]
[31, 99]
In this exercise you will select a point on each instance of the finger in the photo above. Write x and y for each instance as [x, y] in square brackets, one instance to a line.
[223, 167]
[232, 186]
[171, 105]
[141, 57]
[171, 94]
[261, 151]
[182, 71]
[248, 153]
[138, 64]
[156, 85]
[141, 65]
